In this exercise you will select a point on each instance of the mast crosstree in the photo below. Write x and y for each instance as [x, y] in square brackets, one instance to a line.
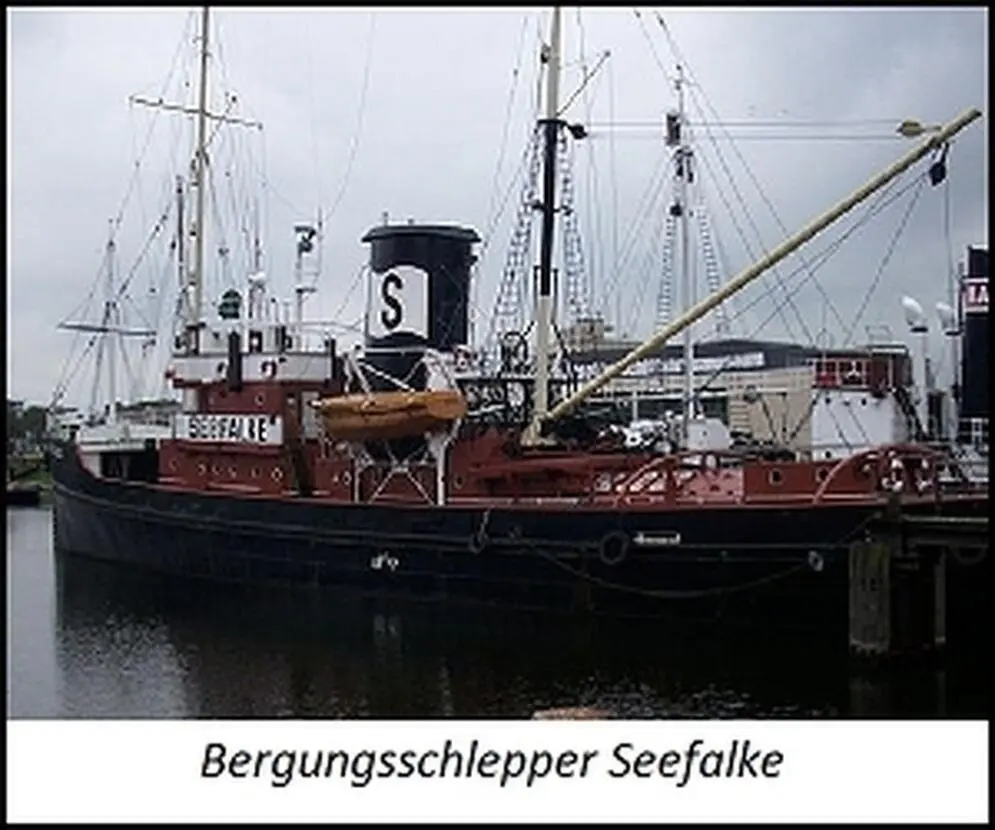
[192, 290]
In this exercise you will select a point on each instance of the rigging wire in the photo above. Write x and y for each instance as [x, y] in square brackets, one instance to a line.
[495, 209]
[649, 41]
[488, 235]
[143, 216]
[721, 159]
[594, 223]
[951, 266]
[359, 120]
[763, 195]
[951, 277]
[115, 223]
[309, 57]
[882, 201]
[653, 184]
[506, 122]
[747, 137]
[775, 272]
[65, 375]
[613, 178]
[517, 178]
[741, 233]
[884, 261]
[637, 308]
[148, 136]
[611, 123]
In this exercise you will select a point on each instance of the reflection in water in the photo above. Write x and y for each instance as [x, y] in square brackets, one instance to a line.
[117, 644]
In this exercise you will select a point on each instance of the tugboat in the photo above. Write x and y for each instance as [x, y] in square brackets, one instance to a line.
[415, 466]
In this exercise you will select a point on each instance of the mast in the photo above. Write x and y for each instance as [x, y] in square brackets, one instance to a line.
[113, 324]
[181, 249]
[544, 302]
[192, 283]
[200, 171]
[687, 289]
[257, 249]
[699, 310]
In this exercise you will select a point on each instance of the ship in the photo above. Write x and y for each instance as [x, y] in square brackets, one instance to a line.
[417, 466]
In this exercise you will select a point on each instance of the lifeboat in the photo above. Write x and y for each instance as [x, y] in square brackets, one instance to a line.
[384, 416]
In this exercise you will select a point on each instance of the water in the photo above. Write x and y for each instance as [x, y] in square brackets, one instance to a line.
[93, 641]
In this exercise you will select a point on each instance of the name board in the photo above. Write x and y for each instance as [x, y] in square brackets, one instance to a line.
[241, 429]
[976, 296]
[398, 302]
[747, 360]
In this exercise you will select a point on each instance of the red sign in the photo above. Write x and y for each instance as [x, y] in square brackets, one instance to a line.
[976, 296]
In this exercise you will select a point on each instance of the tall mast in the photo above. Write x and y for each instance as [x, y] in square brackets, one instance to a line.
[200, 172]
[111, 333]
[544, 304]
[181, 256]
[687, 289]
[741, 280]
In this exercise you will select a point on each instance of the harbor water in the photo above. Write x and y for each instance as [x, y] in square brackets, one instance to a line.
[87, 640]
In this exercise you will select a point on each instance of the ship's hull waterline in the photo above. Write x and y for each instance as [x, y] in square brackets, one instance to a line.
[786, 566]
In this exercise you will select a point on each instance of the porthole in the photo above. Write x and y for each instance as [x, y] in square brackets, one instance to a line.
[255, 472]
[821, 474]
[775, 477]
[201, 468]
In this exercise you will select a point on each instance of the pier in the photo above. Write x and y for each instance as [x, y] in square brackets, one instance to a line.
[918, 584]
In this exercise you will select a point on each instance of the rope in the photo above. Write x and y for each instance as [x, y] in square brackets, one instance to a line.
[594, 220]
[676, 595]
[774, 271]
[828, 303]
[882, 201]
[359, 119]
[885, 260]
[503, 145]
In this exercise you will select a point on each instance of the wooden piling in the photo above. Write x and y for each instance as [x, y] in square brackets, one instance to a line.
[898, 592]
[870, 597]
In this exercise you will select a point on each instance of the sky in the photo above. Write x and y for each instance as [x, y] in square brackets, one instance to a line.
[425, 114]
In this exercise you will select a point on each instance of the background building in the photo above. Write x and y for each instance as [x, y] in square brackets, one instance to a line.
[763, 390]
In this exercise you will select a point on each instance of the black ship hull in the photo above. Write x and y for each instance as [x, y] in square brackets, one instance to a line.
[782, 565]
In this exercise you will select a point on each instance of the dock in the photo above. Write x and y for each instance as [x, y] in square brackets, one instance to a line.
[918, 584]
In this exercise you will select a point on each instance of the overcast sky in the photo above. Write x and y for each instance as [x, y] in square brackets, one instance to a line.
[406, 111]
